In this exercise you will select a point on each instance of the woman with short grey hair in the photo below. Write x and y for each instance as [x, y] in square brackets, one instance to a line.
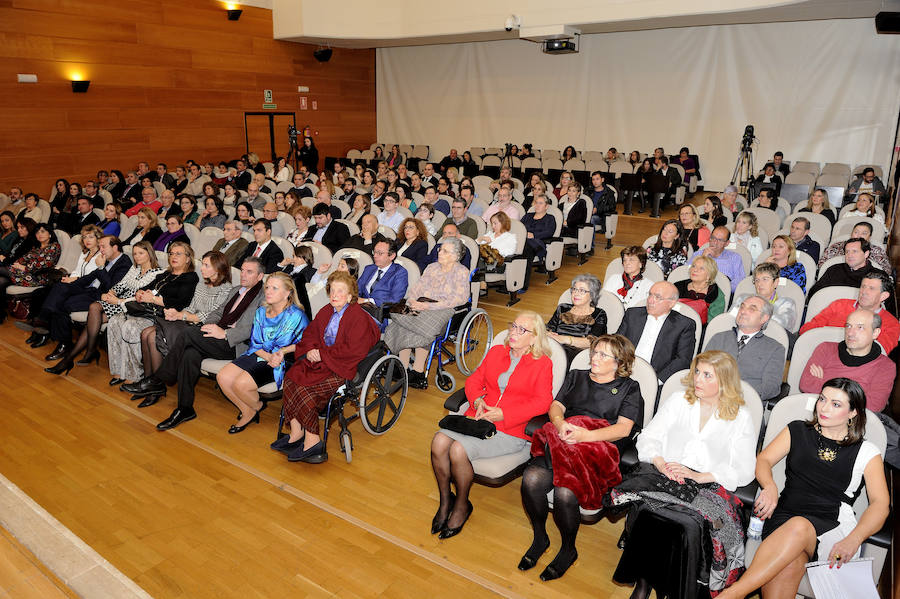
[576, 324]
[456, 245]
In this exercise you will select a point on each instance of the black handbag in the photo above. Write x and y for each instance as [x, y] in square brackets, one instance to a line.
[480, 429]
[143, 310]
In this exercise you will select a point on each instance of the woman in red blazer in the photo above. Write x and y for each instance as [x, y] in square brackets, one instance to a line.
[513, 384]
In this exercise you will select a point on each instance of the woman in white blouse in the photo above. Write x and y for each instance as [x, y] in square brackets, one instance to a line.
[90, 247]
[746, 233]
[282, 172]
[500, 237]
[703, 434]
[630, 286]
[865, 207]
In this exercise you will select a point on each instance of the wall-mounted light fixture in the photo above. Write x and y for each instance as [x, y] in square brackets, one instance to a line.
[234, 13]
[80, 87]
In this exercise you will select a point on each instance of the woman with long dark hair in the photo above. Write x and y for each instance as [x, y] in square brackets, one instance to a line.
[309, 155]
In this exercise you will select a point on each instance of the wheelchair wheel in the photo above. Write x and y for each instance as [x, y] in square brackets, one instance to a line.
[473, 340]
[445, 382]
[347, 446]
[383, 395]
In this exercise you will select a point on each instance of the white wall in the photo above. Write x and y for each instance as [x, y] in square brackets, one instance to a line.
[818, 90]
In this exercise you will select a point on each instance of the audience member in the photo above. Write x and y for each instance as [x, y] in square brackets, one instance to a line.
[450, 230]
[780, 165]
[263, 247]
[412, 242]
[746, 233]
[713, 212]
[695, 232]
[670, 250]
[459, 217]
[802, 241]
[766, 283]
[865, 207]
[700, 291]
[577, 324]
[328, 232]
[867, 182]
[231, 244]
[862, 230]
[390, 216]
[818, 204]
[784, 256]
[729, 263]
[630, 286]
[849, 273]
[383, 282]
[768, 180]
[503, 204]
[189, 212]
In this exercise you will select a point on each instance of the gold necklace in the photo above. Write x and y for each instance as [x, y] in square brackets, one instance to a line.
[828, 454]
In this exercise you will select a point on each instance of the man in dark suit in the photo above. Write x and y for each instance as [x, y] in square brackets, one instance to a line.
[673, 180]
[243, 177]
[91, 193]
[327, 231]
[131, 195]
[223, 336]
[232, 244]
[660, 335]
[73, 294]
[169, 206]
[349, 191]
[779, 164]
[263, 248]
[163, 176]
[84, 215]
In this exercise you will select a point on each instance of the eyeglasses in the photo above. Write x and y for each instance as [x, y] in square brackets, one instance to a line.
[605, 355]
[719, 239]
[762, 279]
[578, 290]
[177, 254]
[661, 298]
[514, 328]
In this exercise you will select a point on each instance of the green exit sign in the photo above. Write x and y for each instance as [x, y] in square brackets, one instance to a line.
[270, 106]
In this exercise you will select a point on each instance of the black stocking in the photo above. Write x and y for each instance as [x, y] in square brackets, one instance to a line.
[440, 463]
[151, 356]
[463, 475]
[5, 281]
[88, 337]
[536, 483]
[568, 518]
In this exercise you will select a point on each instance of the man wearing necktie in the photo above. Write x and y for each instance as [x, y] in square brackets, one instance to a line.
[760, 359]
[264, 249]
[232, 244]
[383, 282]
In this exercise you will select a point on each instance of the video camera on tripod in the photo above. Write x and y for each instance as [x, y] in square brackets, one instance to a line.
[748, 139]
[292, 136]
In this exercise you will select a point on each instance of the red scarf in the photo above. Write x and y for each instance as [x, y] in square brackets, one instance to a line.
[628, 283]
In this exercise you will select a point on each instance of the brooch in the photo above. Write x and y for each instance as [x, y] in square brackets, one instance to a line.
[614, 390]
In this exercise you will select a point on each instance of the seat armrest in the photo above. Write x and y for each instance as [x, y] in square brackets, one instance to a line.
[550, 240]
[882, 538]
[513, 258]
[747, 494]
[456, 400]
[536, 423]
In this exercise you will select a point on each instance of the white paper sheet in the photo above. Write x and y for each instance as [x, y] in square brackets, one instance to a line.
[853, 579]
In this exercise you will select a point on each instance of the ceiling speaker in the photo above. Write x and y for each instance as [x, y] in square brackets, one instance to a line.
[887, 22]
[323, 54]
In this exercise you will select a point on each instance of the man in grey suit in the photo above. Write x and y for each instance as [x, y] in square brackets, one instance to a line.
[232, 244]
[223, 336]
[760, 359]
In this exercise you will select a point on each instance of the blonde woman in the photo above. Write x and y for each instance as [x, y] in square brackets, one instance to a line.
[513, 384]
[784, 256]
[746, 233]
[818, 203]
[277, 326]
[701, 435]
[696, 233]
[699, 290]
[865, 207]
[87, 260]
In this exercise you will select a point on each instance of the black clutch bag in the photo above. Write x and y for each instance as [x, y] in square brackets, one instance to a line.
[480, 429]
[143, 310]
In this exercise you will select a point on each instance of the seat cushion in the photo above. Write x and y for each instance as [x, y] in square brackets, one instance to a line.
[210, 366]
[501, 465]
[14, 290]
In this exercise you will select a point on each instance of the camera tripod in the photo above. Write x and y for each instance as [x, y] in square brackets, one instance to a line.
[743, 171]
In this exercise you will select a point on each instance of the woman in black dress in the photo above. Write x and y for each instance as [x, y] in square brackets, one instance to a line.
[713, 212]
[827, 462]
[539, 227]
[575, 325]
[592, 419]
[309, 155]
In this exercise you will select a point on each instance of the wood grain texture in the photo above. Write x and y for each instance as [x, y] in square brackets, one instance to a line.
[168, 82]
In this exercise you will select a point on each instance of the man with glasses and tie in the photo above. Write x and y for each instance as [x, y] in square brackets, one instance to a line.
[263, 248]
[383, 282]
[729, 263]
[760, 359]
[660, 335]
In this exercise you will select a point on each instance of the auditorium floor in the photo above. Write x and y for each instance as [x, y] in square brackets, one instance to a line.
[199, 513]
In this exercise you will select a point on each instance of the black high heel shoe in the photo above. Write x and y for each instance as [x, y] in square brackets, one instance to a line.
[235, 429]
[438, 525]
[446, 532]
[61, 367]
[88, 358]
[115, 381]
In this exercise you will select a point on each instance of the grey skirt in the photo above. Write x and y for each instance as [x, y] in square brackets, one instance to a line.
[498, 445]
[407, 331]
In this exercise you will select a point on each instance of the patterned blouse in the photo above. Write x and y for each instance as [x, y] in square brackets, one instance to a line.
[794, 272]
[127, 287]
[449, 290]
[666, 259]
[206, 299]
[37, 263]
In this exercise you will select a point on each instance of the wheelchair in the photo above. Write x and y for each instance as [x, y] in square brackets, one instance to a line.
[465, 342]
[378, 391]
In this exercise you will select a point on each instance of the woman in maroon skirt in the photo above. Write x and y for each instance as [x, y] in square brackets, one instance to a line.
[339, 337]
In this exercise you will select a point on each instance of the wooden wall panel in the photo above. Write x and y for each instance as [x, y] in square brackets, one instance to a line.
[169, 81]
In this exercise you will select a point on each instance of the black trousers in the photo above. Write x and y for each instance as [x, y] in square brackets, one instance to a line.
[182, 364]
[61, 301]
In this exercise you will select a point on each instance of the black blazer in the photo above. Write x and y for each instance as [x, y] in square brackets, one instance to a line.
[417, 252]
[243, 180]
[270, 257]
[75, 222]
[335, 237]
[152, 235]
[133, 194]
[357, 243]
[108, 278]
[674, 347]
[577, 216]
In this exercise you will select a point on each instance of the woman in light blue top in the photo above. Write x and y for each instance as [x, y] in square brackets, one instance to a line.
[277, 327]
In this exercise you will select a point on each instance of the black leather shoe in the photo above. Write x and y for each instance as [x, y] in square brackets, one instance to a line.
[314, 455]
[285, 445]
[145, 386]
[176, 418]
[529, 560]
[437, 525]
[40, 340]
[62, 367]
[115, 381]
[446, 532]
[150, 400]
[32, 338]
[59, 353]
[557, 568]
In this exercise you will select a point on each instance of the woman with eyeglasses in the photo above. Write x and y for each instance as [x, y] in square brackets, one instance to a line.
[593, 419]
[174, 232]
[513, 384]
[699, 290]
[33, 268]
[576, 324]
[765, 280]
[630, 286]
[412, 242]
[174, 288]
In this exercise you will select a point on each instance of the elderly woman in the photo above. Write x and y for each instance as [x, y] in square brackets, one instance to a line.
[214, 214]
[174, 288]
[630, 286]
[695, 232]
[699, 447]
[671, 249]
[33, 269]
[337, 339]
[592, 420]
[368, 235]
[513, 384]
[31, 209]
[730, 201]
[211, 292]
[412, 242]
[784, 256]
[301, 219]
[699, 290]
[577, 324]
[443, 286]
[174, 232]
[818, 204]
[147, 228]
[765, 280]
[828, 460]
[145, 269]
[865, 206]
[277, 327]
[746, 233]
